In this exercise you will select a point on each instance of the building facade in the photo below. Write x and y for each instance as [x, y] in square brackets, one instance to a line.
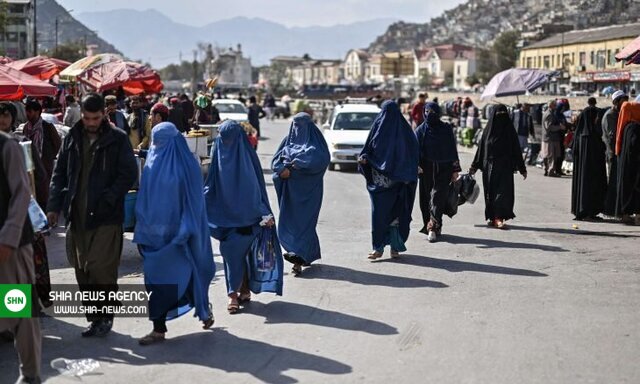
[232, 67]
[17, 39]
[585, 58]
[355, 65]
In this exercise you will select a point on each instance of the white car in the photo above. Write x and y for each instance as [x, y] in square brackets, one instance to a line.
[346, 131]
[230, 109]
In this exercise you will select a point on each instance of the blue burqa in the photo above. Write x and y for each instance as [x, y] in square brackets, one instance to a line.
[171, 228]
[236, 200]
[305, 153]
[391, 171]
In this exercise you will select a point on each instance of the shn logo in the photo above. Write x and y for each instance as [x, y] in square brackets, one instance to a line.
[16, 300]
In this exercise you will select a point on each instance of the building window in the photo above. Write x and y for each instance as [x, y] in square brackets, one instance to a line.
[546, 62]
[601, 59]
[573, 58]
[553, 61]
[610, 57]
[458, 70]
[592, 60]
[529, 63]
[583, 59]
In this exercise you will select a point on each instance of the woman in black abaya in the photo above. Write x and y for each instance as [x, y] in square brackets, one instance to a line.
[589, 186]
[498, 157]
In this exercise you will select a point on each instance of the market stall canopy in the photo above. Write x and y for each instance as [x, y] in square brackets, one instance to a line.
[515, 82]
[135, 78]
[631, 53]
[74, 70]
[41, 67]
[16, 85]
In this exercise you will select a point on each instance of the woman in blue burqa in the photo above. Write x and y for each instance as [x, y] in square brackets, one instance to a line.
[238, 209]
[389, 163]
[439, 166]
[298, 168]
[171, 233]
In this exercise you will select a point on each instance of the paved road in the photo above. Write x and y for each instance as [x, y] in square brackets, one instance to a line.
[542, 303]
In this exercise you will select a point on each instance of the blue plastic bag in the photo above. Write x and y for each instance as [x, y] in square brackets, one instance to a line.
[266, 263]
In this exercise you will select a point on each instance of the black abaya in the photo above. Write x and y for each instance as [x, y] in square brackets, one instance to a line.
[629, 171]
[498, 156]
[589, 184]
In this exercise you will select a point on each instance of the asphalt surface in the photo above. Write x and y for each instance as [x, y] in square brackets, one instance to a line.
[544, 302]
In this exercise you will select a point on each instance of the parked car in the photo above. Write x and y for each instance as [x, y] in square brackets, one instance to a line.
[230, 109]
[346, 131]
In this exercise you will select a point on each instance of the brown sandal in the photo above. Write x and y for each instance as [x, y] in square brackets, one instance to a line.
[233, 306]
[152, 338]
[374, 255]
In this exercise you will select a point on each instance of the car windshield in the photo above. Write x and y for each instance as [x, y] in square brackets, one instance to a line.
[230, 108]
[354, 121]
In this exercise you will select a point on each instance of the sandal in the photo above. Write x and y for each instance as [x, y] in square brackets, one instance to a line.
[207, 324]
[374, 255]
[244, 297]
[395, 254]
[501, 224]
[233, 306]
[152, 338]
[296, 269]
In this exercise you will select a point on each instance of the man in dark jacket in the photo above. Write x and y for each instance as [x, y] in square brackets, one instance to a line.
[177, 115]
[95, 169]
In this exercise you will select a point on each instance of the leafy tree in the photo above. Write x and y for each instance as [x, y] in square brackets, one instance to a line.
[71, 52]
[182, 71]
[425, 79]
[501, 56]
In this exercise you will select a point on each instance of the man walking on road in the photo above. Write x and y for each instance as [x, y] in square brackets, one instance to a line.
[95, 169]
[417, 112]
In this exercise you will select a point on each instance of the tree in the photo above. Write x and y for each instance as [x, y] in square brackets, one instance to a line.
[425, 79]
[277, 78]
[501, 56]
[71, 51]
[182, 71]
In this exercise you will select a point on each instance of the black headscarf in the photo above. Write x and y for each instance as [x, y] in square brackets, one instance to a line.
[500, 130]
[436, 139]
[499, 141]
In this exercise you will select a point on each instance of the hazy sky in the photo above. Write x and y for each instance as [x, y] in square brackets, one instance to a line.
[287, 12]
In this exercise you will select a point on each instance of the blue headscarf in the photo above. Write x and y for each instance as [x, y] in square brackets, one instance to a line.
[436, 139]
[234, 191]
[392, 148]
[304, 148]
[171, 226]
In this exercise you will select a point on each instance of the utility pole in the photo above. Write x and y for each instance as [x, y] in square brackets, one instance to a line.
[56, 49]
[194, 77]
[35, 29]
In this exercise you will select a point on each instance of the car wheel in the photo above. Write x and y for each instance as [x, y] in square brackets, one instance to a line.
[332, 166]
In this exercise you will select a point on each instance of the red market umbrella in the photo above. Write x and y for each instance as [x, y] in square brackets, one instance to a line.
[631, 53]
[134, 78]
[41, 67]
[16, 85]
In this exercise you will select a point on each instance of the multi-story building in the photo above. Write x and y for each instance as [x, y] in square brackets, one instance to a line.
[439, 63]
[585, 58]
[16, 38]
[232, 68]
[314, 72]
[355, 65]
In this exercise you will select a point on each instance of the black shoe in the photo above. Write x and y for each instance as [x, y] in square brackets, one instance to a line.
[98, 328]
[28, 380]
[6, 336]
